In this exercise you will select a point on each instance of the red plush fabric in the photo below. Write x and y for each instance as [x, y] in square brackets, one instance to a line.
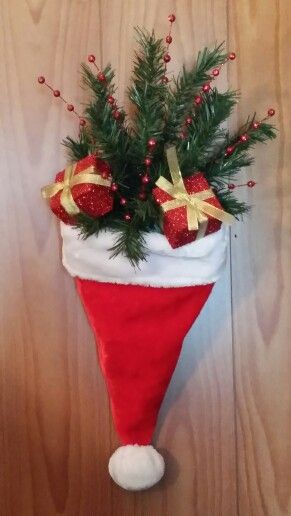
[139, 334]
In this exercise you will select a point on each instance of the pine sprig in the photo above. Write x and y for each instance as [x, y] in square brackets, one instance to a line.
[87, 225]
[222, 168]
[110, 136]
[130, 242]
[80, 148]
[148, 95]
[185, 86]
[232, 205]
[205, 132]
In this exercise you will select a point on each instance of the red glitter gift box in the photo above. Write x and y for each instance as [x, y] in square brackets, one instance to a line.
[81, 188]
[176, 219]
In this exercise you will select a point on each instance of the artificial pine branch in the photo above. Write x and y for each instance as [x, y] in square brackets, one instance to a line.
[110, 135]
[80, 148]
[148, 94]
[205, 132]
[231, 205]
[130, 241]
[185, 86]
[88, 225]
[221, 168]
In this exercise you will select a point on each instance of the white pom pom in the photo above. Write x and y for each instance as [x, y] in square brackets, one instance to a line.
[135, 467]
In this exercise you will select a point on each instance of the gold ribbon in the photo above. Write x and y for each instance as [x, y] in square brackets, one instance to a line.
[70, 179]
[197, 207]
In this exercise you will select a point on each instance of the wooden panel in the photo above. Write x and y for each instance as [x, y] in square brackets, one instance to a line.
[57, 434]
[56, 429]
[261, 269]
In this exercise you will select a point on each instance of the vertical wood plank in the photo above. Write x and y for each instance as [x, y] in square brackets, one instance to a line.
[261, 268]
[56, 429]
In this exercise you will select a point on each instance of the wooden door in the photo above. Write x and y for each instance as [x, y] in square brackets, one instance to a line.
[225, 424]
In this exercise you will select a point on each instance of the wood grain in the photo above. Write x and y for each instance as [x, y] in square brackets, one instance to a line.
[56, 429]
[261, 275]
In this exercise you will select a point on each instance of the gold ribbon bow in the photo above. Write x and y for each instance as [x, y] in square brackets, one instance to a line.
[70, 179]
[197, 207]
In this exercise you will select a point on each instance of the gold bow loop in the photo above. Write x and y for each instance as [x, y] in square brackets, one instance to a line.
[88, 176]
[197, 208]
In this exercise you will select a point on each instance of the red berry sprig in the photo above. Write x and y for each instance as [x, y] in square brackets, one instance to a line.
[251, 183]
[116, 113]
[92, 60]
[122, 201]
[57, 94]
[168, 39]
[198, 99]
[216, 71]
[114, 187]
[145, 178]
[206, 87]
[244, 138]
[152, 142]
[100, 75]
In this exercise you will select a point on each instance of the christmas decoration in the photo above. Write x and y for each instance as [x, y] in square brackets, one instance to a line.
[151, 199]
[81, 188]
[188, 205]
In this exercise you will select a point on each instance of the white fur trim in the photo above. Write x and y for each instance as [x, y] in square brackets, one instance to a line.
[198, 263]
[135, 467]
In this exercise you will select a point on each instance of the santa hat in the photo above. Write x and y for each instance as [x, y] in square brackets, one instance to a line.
[140, 318]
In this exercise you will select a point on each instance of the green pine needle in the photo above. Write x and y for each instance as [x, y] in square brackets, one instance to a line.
[186, 85]
[130, 241]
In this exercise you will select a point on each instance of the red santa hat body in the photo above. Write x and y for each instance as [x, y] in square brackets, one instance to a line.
[140, 318]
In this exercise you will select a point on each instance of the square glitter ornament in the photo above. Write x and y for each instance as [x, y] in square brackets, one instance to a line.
[175, 222]
[94, 200]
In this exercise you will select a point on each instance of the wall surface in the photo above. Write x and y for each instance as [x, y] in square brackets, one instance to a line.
[225, 424]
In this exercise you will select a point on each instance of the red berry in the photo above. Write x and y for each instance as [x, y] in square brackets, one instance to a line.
[244, 138]
[215, 72]
[110, 99]
[148, 162]
[167, 58]
[41, 79]
[255, 125]
[182, 135]
[271, 112]
[145, 179]
[114, 187]
[206, 88]
[101, 77]
[231, 186]
[188, 120]
[82, 121]
[142, 196]
[91, 58]
[229, 150]
[231, 56]
[127, 217]
[152, 143]
[117, 115]
[164, 79]
[123, 201]
[169, 39]
[70, 107]
[251, 183]
[198, 100]
[57, 93]
[171, 18]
